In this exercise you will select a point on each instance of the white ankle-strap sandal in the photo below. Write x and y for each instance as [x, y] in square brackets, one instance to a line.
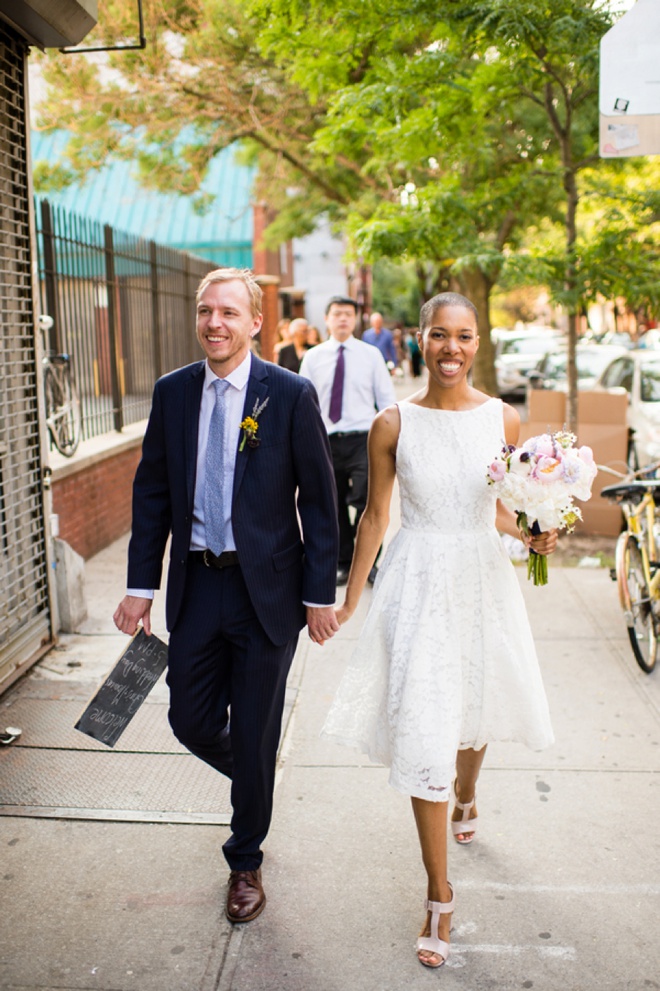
[464, 825]
[433, 944]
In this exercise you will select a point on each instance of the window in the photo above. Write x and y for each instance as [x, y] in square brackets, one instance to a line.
[650, 383]
[619, 375]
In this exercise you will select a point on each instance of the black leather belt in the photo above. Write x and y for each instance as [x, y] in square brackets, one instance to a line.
[348, 433]
[224, 560]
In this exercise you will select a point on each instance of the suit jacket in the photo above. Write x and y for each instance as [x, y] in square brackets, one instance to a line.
[284, 484]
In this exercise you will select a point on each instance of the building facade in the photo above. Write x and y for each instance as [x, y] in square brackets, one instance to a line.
[27, 600]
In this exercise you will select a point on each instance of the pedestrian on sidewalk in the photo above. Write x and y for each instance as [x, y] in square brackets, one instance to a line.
[445, 662]
[235, 453]
[292, 354]
[352, 382]
[382, 338]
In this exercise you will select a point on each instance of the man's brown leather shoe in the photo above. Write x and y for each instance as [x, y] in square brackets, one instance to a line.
[245, 898]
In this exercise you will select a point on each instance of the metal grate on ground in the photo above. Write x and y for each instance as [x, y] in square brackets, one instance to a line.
[53, 771]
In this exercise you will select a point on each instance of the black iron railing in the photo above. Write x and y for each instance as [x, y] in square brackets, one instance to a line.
[122, 307]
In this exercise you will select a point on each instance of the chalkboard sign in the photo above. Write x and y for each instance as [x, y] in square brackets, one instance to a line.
[125, 689]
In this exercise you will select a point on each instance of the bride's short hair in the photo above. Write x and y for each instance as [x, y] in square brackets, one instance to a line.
[441, 300]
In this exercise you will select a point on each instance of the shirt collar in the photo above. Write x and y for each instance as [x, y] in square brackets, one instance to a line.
[348, 343]
[238, 378]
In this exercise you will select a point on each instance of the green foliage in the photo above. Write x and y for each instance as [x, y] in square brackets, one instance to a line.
[49, 178]
[396, 292]
[457, 134]
[617, 250]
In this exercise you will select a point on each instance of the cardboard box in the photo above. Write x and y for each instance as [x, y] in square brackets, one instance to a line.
[593, 407]
[546, 406]
[603, 407]
[602, 426]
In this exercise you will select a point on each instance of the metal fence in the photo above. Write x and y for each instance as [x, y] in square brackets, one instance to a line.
[123, 309]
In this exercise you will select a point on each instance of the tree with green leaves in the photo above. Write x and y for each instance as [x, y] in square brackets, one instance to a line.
[502, 98]
[200, 85]
[456, 169]
[550, 48]
[459, 137]
[346, 134]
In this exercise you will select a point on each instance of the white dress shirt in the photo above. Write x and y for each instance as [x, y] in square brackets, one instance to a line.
[367, 383]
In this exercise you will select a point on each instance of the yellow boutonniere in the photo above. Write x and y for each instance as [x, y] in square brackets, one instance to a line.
[250, 425]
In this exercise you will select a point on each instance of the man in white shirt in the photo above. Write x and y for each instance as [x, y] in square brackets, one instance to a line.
[353, 383]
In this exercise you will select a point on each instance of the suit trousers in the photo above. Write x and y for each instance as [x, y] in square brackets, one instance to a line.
[227, 682]
[351, 467]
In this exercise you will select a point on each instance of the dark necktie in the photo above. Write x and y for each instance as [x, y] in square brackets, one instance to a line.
[337, 387]
[215, 495]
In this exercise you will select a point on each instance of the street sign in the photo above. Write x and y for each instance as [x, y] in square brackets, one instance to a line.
[629, 98]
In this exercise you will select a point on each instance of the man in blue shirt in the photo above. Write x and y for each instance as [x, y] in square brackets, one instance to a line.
[381, 338]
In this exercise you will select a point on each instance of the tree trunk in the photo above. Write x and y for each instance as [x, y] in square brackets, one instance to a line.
[476, 286]
[572, 197]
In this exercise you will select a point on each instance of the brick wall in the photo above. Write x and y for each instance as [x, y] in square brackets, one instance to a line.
[93, 500]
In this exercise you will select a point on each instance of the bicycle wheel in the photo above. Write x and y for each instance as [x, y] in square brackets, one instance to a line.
[636, 601]
[62, 410]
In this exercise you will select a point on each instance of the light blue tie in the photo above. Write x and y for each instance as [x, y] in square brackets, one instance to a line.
[214, 494]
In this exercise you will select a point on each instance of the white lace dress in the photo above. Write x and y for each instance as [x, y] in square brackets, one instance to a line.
[446, 659]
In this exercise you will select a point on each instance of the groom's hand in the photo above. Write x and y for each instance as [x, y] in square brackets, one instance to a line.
[130, 611]
[321, 623]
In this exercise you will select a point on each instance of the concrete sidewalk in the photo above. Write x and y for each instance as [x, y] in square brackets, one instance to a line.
[559, 892]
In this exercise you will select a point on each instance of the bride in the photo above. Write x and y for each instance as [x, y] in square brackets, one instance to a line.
[445, 663]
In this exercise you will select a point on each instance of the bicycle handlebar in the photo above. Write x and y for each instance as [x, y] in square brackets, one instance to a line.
[630, 476]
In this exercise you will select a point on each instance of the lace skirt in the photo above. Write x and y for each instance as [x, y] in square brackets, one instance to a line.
[445, 661]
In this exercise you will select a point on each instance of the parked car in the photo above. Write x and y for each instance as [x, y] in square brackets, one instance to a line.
[638, 373]
[516, 353]
[590, 359]
[618, 337]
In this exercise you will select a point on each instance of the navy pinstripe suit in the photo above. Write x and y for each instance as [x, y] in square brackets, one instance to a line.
[233, 632]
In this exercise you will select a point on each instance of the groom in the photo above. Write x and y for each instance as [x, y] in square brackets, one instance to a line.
[236, 466]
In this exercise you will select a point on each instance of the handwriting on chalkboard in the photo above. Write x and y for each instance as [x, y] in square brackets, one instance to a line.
[125, 689]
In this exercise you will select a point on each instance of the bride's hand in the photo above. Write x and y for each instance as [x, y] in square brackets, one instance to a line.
[543, 543]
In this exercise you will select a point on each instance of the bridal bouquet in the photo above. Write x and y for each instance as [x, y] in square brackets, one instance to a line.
[539, 482]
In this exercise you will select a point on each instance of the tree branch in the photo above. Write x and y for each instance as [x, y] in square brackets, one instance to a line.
[508, 223]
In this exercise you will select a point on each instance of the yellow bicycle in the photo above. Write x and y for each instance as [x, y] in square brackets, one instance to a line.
[637, 559]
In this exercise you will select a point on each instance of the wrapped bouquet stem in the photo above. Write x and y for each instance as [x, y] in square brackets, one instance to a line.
[539, 482]
[537, 564]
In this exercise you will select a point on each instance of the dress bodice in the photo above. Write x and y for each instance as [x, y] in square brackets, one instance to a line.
[442, 459]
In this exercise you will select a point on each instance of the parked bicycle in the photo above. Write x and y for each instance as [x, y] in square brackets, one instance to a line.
[637, 559]
[62, 404]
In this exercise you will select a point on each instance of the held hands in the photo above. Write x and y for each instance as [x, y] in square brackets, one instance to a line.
[321, 623]
[130, 611]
